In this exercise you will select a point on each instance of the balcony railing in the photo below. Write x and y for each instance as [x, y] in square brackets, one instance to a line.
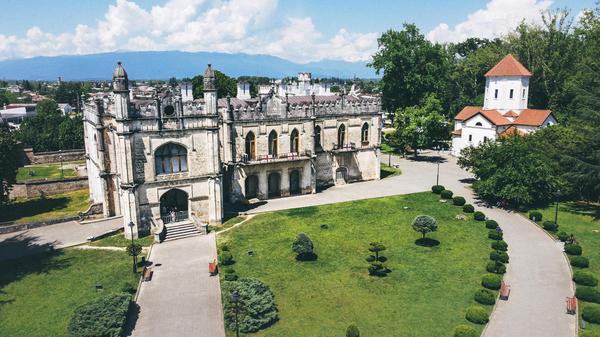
[344, 147]
[174, 217]
[245, 158]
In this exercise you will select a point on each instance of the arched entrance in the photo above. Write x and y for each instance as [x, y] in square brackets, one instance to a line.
[274, 183]
[295, 182]
[174, 206]
[251, 186]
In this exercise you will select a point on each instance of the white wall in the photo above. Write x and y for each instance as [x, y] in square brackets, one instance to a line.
[473, 135]
[504, 84]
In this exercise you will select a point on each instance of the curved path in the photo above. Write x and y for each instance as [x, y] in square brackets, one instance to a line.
[538, 273]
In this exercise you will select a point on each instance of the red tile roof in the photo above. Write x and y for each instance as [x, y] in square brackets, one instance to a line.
[467, 112]
[511, 130]
[508, 66]
[510, 114]
[532, 117]
[457, 132]
[492, 115]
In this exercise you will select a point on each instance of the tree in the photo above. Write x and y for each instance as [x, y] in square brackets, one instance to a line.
[225, 85]
[420, 126]
[9, 162]
[256, 308]
[412, 67]
[303, 247]
[376, 248]
[352, 331]
[424, 224]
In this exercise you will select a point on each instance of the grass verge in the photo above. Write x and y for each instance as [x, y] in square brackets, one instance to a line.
[51, 207]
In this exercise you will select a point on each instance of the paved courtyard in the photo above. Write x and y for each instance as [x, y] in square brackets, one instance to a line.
[181, 300]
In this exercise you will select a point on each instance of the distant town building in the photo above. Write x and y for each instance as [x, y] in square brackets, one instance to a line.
[504, 109]
[187, 92]
[304, 86]
[65, 108]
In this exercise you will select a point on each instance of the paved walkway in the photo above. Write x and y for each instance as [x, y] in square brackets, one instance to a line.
[181, 299]
[538, 273]
[55, 236]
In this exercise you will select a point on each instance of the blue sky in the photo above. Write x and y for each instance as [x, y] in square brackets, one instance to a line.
[301, 30]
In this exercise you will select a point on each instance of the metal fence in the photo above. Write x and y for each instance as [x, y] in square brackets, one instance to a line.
[174, 217]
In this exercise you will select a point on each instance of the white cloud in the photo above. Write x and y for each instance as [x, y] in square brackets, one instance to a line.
[195, 25]
[496, 19]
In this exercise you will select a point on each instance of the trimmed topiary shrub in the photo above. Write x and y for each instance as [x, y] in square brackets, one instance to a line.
[535, 216]
[303, 247]
[226, 258]
[224, 247]
[562, 236]
[550, 226]
[585, 278]
[458, 201]
[485, 296]
[424, 224]
[479, 216]
[499, 256]
[352, 331]
[437, 189]
[464, 330]
[573, 249]
[446, 194]
[254, 294]
[591, 314]
[495, 235]
[500, 245]
[491, 224]
[588, 294]
[230, 275]
[491, 281]
[477, 314]
[496, 267]
[579, 261]
[468, 208]
[101, 317]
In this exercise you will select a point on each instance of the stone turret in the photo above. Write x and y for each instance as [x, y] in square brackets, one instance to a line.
[120, 80]
[120, 84]
[209, 79]
[210, 91]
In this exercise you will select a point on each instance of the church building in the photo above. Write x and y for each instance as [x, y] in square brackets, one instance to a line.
[504, 109]
[173, 164]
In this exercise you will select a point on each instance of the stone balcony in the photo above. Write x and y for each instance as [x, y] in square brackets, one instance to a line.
[281, 157]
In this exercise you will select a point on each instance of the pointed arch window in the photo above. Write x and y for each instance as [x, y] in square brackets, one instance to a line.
[294, 141]
[251, 146]
[364, 133]
[317, 137]
[170, 158]
[273, 148]
[341, 136]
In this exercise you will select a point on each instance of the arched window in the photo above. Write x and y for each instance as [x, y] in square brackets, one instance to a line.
[170, 158]
[478, 124]
[273, 143]
[317, 136]
[294, 142]
[364, 133]
[251, 146]
[341, 135]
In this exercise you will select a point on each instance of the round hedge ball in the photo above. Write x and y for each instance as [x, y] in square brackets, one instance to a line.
[579, 261]
[496, 267]
[491, 224]
[477, 314]
[437, 189]
[585, 278]
[479, 216]
[500, 245]
[588, 294]
[562, 236]
[464, 330]
[591, 314]
[535, 216]
[458, 201]
[499, 256]
[550, 226]
[495, 235]
[573, 249]
[491, 281]
[468, 208]
[446, 194]
[485, 296]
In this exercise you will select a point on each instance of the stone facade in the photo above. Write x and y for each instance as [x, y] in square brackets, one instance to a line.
[166, 159]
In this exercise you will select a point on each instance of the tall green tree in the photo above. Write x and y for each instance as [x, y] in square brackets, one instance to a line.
[412, 67]
[225, 85]
[9, 161]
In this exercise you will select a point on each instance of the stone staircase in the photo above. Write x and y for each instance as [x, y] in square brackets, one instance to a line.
[180, 230]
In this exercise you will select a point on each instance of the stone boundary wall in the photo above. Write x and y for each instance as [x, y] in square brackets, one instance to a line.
[33, 189]
[8, 227]
[29, 157]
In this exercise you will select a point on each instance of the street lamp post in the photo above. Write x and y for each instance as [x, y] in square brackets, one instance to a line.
[62, 172]
[133, 255]
[437, 177]
[557, 194]
[235, 298]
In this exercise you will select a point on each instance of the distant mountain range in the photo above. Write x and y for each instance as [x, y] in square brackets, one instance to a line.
[166, 64]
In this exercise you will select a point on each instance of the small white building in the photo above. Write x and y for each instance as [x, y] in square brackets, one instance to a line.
[504, 109]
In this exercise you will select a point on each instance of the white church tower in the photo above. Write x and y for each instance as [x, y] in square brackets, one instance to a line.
[507, 86]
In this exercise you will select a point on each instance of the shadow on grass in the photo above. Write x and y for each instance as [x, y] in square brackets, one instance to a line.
[21, 209]
[427, 242]
[20, 256]
[132, 317]
[429, 159]
[583, 208]
[307, 257]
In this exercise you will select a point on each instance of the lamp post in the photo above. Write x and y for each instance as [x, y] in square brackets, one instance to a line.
[235, 298]
[437, 177]
[62, 173]
[557, 195]
[133, 255]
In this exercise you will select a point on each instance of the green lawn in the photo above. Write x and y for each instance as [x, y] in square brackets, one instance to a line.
[425, 295]
[388, 171]
[38, 294]
[44, 171]
[119, 240]
[51, 207]
[582, 220]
